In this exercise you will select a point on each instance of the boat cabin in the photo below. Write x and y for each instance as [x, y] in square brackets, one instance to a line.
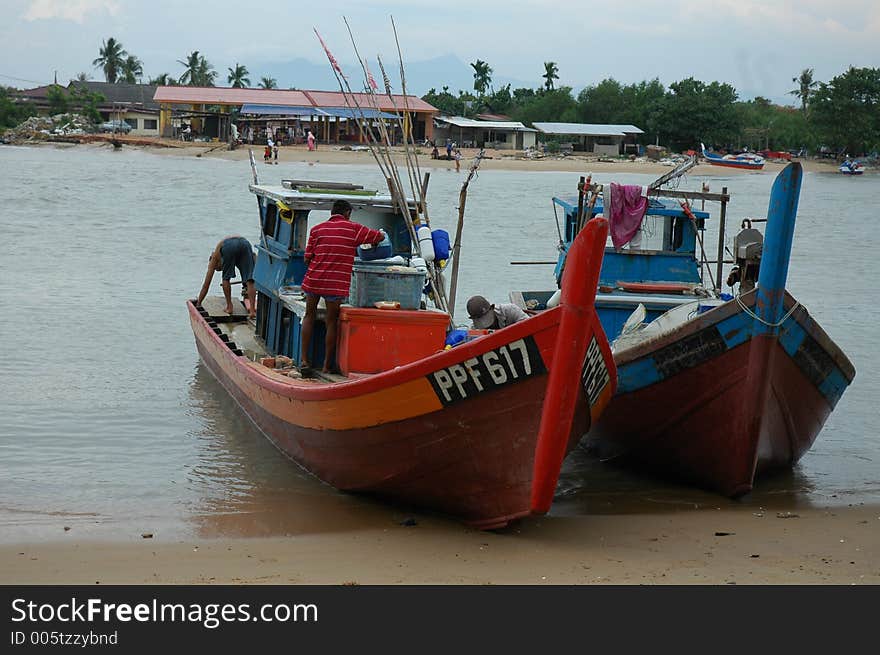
[661, 274]
[371, 339]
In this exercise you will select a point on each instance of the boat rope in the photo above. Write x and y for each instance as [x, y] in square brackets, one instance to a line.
[748, 311]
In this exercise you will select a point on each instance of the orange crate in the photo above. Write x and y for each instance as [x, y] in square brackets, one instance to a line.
[375, 340]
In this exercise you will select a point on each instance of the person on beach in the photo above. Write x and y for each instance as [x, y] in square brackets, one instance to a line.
[487, 316]
[448, 148]
[457, 160]
[232, 252]
[267, 153]
[329, 256]
[275, 151]
[311, 139]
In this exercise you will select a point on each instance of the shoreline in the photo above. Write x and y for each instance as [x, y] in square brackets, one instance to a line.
[723, 545]
[494, 160]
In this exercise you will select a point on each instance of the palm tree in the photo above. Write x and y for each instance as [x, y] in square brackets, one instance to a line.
[191, 74]
[238, 76]
[482, 75]
[806, 85]
[110, 59]
[163, 80]
[268, 83]
[83, 77]
[207, 74]
[132, 70]
[550, 74]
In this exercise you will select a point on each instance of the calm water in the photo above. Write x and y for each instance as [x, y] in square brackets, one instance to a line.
[111, 426]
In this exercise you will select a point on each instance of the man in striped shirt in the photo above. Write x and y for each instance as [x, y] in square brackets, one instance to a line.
[330, 257]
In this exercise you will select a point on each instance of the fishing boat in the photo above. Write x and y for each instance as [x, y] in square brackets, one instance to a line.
[850, 167]
[477, 431]
[744, 160]
[712, 388]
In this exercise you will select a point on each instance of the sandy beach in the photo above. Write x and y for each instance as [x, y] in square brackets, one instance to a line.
[723, 545]
[493, 160]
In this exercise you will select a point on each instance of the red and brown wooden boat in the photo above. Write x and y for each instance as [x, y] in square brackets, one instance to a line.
[478, 431]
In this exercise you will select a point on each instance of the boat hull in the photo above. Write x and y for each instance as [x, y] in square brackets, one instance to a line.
[736, 164]
[712, 403]
[478, 432]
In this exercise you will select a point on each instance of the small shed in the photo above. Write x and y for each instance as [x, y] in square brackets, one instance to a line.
[471, 133]
[590, 137]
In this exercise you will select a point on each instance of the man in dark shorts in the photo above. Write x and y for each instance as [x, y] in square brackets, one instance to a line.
[330, 256]
[231, 253]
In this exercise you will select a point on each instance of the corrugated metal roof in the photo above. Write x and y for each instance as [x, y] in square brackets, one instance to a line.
[289, 98]
[461, 121]
[587, 129]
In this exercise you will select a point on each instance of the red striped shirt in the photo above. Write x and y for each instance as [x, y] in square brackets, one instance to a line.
[330, 252]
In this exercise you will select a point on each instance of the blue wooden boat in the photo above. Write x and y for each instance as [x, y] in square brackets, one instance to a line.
[743, 160]
[712, 388]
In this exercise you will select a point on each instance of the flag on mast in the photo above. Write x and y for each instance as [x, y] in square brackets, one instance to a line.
[370, 80]
[330, 56]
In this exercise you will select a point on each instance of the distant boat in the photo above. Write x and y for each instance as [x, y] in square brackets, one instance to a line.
[745, 160]
[851, 168]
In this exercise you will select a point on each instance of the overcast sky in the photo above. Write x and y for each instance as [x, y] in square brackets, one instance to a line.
[756, 45]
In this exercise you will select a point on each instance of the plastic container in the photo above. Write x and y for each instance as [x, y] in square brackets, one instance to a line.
[371, 284]
[419, 264]
[375, 340]
[440, 239]
[368, 252]
[426, 243]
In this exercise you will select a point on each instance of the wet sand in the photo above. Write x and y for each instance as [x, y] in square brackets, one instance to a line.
[727, 545]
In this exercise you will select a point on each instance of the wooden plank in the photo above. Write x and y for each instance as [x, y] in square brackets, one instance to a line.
[216, 308]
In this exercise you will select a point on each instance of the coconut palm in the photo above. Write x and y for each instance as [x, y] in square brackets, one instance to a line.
[207, 74]
[191, 74]
[482, 75]
[238, 76]
[111, 57]
[83, 77]
[268, 83]
[163, 80]
[806, 87]
[550, 74]
[132, 69]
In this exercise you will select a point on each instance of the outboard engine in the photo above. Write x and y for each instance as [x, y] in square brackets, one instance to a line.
[748, 246]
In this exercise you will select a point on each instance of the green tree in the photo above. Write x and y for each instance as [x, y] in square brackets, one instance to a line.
[238, 76]
[694, 111]
[83, 77]
[557, 105]
[445, 101]
[551, 71]
[198, 71]
[268, 83]
[163, 79]
[132, 70]
[499, 101]
[806, 87]
[846, 110]
[85, 102]
[110, 59]
[482, 76]
[57, 98]
[13, 113]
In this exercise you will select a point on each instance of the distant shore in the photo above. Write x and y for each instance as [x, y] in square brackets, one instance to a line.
[730, 544]
[494, 160]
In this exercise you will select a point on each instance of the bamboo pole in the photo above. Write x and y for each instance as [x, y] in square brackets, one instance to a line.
[456, 248]
[721, 227]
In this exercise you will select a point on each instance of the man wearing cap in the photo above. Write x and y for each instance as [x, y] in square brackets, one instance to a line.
[488, 316]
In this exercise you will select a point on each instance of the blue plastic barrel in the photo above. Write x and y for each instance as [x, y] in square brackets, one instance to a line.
[441, 244]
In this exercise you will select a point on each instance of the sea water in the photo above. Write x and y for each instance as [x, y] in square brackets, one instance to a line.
[111, 426]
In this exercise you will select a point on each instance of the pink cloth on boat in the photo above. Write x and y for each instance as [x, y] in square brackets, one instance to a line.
[624, 207]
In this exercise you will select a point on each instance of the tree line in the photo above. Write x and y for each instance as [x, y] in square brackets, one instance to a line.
[842, 114]
[118, 65]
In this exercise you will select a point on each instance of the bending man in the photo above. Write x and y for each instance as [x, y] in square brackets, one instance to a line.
[231, 253]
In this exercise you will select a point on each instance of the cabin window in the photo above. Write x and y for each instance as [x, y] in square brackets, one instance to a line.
[133, 122]
[151, 124]
[271, 220]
